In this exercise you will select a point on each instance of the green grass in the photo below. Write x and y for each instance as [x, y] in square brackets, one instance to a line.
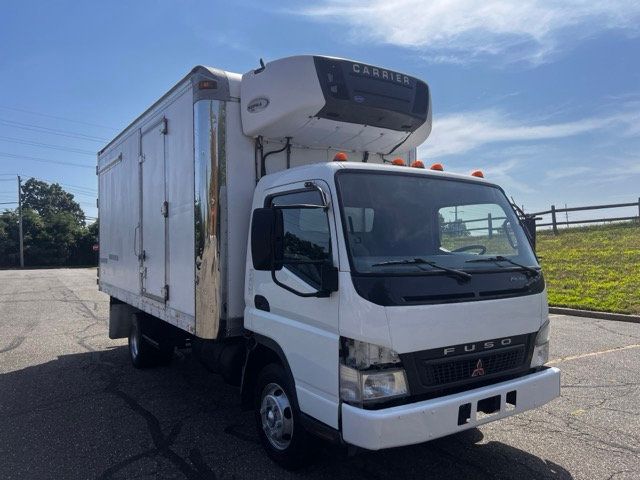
[593, 268]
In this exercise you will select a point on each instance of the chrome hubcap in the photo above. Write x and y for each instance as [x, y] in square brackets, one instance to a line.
[277, 416]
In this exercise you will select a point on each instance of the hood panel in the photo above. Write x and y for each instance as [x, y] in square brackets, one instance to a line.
[422, 327]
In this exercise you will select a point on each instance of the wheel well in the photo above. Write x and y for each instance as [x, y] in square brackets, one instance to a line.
[265, 352]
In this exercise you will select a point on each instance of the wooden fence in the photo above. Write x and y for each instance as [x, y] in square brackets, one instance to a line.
[554, 223]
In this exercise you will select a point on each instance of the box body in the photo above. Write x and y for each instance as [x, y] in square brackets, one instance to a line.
[164, 223]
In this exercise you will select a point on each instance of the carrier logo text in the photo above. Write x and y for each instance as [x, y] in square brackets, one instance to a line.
[381, 73]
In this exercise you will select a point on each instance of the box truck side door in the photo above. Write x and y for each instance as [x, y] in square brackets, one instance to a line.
[306, 328]
[153, 211]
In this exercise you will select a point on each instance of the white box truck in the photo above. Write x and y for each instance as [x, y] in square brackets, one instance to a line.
[279, 224]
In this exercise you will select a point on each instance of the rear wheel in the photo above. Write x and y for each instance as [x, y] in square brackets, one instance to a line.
[278, 420]
[142, 352]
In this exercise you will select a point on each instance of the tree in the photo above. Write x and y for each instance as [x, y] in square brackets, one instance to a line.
[54, 230]
[9, 255]
[50, 199]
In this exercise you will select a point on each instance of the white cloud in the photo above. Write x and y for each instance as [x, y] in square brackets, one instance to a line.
[463, 30]
[458, 133]
[568, 172]
[508, 174]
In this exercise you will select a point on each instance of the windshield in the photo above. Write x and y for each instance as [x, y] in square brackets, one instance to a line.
[392, 219]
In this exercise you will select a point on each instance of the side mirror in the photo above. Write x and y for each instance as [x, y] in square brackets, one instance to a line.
[329, 279]
[266, 239]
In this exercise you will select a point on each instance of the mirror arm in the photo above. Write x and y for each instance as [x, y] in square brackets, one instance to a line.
[318, 293]
[325, 198]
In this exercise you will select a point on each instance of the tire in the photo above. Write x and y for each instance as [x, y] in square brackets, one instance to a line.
[141, 352]
[278, 420]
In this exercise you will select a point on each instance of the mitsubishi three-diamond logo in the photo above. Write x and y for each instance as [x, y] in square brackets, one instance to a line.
[479, 370]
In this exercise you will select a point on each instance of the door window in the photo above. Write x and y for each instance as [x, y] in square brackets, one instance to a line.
[306, 234]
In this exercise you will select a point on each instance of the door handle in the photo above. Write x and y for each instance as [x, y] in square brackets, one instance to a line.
[135, 241]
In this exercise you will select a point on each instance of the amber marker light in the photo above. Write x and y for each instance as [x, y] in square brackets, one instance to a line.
[341, 157]
[399, 162]
[417, 164]
[438, 167]
[477, 173]
[207, 84]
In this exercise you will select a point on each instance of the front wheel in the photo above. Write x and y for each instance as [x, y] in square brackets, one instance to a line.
[278, 420]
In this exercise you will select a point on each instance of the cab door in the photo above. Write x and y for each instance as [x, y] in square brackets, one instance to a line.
[306, 328]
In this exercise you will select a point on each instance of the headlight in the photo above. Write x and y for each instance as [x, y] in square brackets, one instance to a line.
[369, 386]
[370, 373]
[541, 347]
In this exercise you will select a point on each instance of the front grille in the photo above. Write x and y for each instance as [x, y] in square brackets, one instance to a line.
[461, 368]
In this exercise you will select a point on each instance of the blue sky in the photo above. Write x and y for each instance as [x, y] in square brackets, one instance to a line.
[543, 96]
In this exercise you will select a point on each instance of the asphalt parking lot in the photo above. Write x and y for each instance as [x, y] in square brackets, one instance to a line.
[72, 407]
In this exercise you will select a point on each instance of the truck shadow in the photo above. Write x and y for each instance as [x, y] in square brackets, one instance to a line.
[92, 415]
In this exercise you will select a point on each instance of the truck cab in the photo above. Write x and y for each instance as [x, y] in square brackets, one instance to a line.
[402, 316]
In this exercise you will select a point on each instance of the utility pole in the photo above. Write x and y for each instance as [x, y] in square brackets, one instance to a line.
[20, 221]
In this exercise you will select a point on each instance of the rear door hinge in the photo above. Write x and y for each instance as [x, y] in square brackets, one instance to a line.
[165, 292]
[164, 127]
[165, 209]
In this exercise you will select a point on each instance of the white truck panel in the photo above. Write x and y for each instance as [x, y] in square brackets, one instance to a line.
[241, 182]
[153, 222]
[180, 194]
[463, 322]
[119, 202]
[292, 93]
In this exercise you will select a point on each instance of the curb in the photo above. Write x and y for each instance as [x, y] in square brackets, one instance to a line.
[619, 317]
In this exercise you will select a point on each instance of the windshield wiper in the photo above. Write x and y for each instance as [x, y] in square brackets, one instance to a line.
[421, 261]
[500, 258]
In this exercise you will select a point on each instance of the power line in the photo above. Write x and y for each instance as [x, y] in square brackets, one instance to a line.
[52, 131]
[88, 195]
[46, 145]
[44, 160]
[57, 117]
[68, 185]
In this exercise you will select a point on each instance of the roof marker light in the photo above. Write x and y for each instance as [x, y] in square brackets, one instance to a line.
[477, 173]
[399, 162]
[341, 157]
[437, 166]
[207, 84]
[417, 164]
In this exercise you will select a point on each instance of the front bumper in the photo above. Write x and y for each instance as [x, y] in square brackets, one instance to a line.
[430, 419]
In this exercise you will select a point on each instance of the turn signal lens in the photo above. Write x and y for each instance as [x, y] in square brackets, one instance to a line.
[341, 157]
[541, 346]
[477, 173]
[399, 162]
[417, 164]
[438, 167]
